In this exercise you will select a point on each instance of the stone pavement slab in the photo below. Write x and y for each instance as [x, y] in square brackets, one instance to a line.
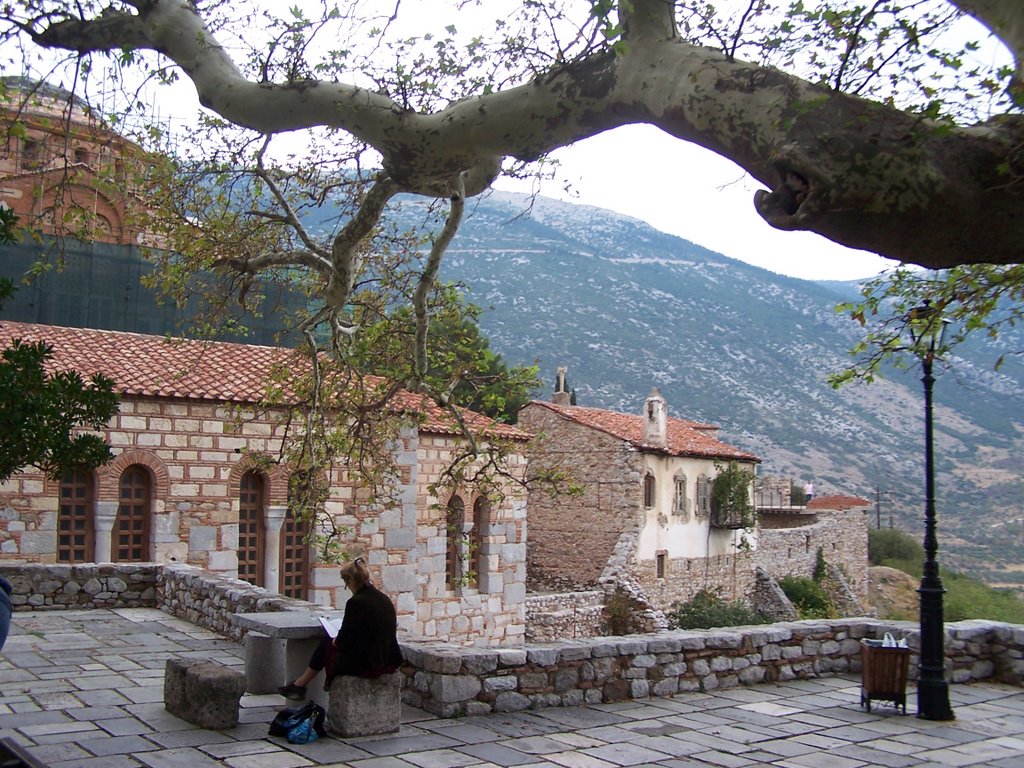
[84, 689]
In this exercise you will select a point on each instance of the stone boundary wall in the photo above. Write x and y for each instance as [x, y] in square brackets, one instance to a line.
[842, 537]
[452, 680]
[81, 587]
[563, 615]
[206, 599]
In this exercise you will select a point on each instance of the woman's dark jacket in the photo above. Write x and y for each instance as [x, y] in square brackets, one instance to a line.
[366, 645]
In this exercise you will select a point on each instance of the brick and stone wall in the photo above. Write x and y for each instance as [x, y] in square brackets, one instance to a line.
[732, 576]
[564, 616]
[196, 453]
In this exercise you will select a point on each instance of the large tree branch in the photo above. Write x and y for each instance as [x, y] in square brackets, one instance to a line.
[429, 276]
[860, 173]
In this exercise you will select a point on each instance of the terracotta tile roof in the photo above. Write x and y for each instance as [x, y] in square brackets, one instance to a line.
[838, 502]
[154, 366]
[685, 438]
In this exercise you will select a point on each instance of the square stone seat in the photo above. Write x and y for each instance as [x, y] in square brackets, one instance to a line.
[364, 706]
[203, 693]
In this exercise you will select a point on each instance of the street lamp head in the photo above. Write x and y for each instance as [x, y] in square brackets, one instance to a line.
[927, 328]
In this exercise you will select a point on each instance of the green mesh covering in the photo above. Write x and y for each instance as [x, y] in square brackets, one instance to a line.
[98, 285]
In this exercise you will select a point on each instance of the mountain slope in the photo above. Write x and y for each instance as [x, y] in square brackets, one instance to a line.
[626, 307]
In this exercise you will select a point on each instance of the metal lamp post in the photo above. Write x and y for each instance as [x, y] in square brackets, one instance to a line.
[927, 329]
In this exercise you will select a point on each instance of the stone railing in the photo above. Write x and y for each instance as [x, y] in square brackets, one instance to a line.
[557, 615]
[451, 680]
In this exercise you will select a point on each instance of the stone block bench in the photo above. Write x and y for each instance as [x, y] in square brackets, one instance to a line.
[278, 645]
[203, 693]
[361, 706]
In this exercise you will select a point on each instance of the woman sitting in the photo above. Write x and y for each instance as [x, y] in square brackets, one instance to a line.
[366, 645]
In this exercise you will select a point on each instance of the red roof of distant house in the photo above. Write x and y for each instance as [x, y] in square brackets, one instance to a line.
[839, 503]
[155, 366]
[685, 438]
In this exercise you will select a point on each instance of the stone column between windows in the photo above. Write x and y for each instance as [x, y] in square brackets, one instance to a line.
[272, 547]
[103, 531]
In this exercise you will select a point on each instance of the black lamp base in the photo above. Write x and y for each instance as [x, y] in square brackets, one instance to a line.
[933, 700]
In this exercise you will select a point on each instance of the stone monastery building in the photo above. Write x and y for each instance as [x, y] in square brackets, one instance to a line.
[644, 525]
[186, 486]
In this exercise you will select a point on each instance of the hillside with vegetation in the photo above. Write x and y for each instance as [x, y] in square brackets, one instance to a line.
[896, 563]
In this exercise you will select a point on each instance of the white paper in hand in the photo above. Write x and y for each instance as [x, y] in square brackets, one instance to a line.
[331, 626]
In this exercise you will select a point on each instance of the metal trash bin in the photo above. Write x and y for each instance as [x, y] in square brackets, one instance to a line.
[884, 673]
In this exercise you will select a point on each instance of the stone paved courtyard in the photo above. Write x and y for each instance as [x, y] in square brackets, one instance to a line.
[85, 690]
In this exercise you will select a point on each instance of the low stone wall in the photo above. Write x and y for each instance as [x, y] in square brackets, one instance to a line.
[81, 587]
[210, 600]
[561, 615]
[451, 682]
[206, 599]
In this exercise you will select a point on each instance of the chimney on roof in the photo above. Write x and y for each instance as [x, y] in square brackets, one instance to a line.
[655, 419]
[562, 396]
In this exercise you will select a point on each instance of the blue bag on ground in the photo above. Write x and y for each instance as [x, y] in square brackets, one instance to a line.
[294, 718]
[304, 732]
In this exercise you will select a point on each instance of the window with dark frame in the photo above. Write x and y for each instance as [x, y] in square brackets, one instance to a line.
[134, 510]
[76, 533]
[294, 563]
[252, 528]
[455, 519]
[481, 518]
[648, 490]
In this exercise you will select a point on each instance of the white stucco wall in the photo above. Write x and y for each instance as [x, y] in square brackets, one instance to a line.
[682, 536]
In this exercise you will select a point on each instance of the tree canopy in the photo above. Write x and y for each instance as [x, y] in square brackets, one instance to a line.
[875, 125]
[840, 109]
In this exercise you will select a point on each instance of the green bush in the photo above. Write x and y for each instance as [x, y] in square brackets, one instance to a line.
[820, 566]
[888, 544]
[970, 598]
[708, 609]
[618, 613]
[808, 597]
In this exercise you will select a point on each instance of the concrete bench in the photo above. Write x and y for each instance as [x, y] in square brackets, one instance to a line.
[278, 645]
[361, 706]
[203, 693]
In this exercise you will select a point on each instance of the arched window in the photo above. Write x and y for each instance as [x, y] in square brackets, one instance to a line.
[481, 529]
[294, 548]
[251, 529]
[648, 490]
[134, 510]
[680, 503]
[454, 521]
[75, 525]
[703, 496]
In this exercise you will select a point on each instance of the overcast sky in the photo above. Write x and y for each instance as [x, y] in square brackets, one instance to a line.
[688, 191]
